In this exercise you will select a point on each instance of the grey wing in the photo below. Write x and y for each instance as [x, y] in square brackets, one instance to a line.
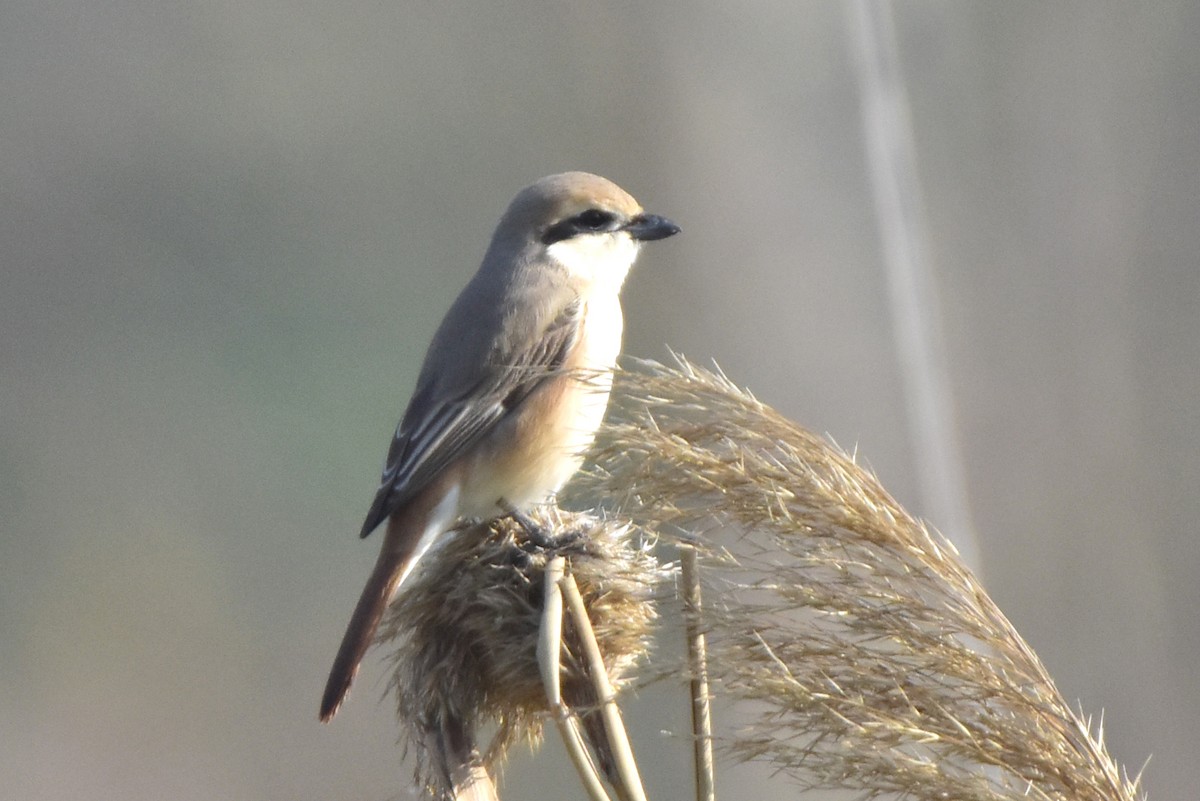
[423, 447]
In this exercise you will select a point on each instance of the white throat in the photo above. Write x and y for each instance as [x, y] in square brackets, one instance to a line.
[598, 261]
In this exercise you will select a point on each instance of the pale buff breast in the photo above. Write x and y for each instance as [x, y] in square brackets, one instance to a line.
[536, 451]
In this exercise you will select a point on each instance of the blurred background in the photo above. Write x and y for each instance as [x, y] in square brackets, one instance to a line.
[228, 230]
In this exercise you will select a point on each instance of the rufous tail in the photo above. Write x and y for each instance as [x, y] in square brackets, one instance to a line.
[360, 633]
[407, 534]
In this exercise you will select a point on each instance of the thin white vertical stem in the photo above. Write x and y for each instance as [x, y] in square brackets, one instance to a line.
[887, 129]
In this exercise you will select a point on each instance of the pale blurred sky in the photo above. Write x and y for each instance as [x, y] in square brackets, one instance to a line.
[227, 231]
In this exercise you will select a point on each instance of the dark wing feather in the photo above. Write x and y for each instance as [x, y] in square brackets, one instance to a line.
[420, 452]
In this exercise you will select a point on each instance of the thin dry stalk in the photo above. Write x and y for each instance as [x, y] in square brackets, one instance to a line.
[466, 638]
[703, 764]
[550, 661]
[625, 777]
[881, 663]
[472, 782]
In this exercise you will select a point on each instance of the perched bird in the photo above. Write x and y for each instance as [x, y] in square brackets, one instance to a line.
[513, 387]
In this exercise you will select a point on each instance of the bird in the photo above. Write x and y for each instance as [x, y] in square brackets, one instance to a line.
[513, 387]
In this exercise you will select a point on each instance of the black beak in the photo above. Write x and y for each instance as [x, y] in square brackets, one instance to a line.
[648, 227]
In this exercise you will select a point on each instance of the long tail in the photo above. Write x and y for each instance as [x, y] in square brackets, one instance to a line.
[410, 532]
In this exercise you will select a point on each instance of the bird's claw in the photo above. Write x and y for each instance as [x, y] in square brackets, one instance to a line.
[540, 535]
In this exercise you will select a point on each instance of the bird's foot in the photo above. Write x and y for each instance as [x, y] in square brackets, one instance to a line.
[540, 535]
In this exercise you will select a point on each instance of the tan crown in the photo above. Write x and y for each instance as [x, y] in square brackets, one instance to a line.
[557, 197]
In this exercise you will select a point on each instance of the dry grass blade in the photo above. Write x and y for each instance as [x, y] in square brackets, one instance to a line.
[617, 752]
[703, 765]
[880, 662]
[466, 632]
[549, 654]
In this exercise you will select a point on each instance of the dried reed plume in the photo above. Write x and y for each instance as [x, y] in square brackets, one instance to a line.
[872, 659]
[467, 635]
[875, 660]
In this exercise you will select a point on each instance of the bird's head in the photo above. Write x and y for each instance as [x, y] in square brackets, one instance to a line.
[582, 223]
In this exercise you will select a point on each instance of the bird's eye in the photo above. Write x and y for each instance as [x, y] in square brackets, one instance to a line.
[594, 220]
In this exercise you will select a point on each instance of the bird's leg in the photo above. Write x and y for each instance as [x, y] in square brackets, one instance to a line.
[538, 534]
[541, 536]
